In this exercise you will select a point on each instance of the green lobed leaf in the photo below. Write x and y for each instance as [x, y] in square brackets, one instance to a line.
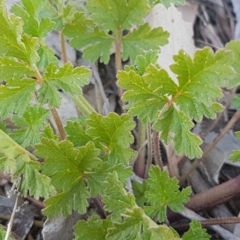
[68, 12]
[47, 56]
[130, 228]
[143, 61]
[32, 7]
[76, 134]
[48, 133]
[146, 94]
[166, 3]
[197, 110]
[34, 183]
[30, 124]
[64, 203]
[15, 96]
[129, 221]
[142, 39]
[12, 69]
[108, 133]
[86, 36]
[196, 232]
[96, 180]
[65, 164]
[67, 78]
[49, 94]
[205, 73]
[62, 13]
[139, 190]
[31, 45]
[234, 46]
[175, 125]
[93, 228]
[115, 14]
[30, 12]
[193, 76]
[164, 192]
[68, 168]
[136, 225]
[154, 97]
[13, 43]
[10, 39]
[117, 200]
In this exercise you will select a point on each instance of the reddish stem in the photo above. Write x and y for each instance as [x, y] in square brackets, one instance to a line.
[215, 196]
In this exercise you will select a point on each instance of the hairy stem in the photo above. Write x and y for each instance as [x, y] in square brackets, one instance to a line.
[212, 221]
[38, 76]
[157, 150]
[220, 221]
[211, 146]
[58, 123]
[63, 47]
[149, 159]
[215, 196]
[220, 230]
[118, 56]
[139, 165]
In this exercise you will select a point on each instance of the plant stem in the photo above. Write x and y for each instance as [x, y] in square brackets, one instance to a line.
[38, 76]
[211, 146]
[215, 196]
[220, 221]
[149, 138]
[58, 123]
[139, 165]
[118, 56]
[214, 221]
[83, 105]
[53, 110]
[220, 230]
[35, 201]
[63, 47]
[157, 150]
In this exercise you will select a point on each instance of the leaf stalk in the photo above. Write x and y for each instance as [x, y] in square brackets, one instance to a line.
[58, 123]
[118, 56]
